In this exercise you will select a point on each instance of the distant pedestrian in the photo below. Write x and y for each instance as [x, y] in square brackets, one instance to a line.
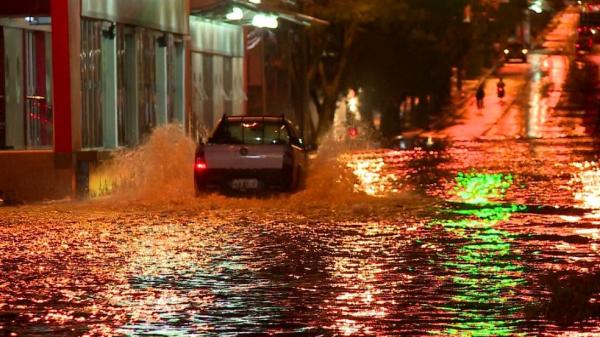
[500, 88]
[480, 95]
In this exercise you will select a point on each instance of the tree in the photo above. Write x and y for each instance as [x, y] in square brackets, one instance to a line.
[332, 47]
[412, 58]
[399, 48]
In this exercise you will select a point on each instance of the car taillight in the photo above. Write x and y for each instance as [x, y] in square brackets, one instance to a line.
[200, 165]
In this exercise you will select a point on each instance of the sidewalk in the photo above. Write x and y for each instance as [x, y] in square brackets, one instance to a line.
[471, 122]
[463, 120]
[459, 100]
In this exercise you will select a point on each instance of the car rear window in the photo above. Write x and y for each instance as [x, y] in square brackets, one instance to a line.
[252, 133]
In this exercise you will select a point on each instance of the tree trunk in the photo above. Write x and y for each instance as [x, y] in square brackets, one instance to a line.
[326, 115]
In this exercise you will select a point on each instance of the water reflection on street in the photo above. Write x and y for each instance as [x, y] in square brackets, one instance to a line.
[456, 245]
[494, 236]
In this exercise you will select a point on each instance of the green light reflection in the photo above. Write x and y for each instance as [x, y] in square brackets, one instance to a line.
[481, 188]
[483, 273]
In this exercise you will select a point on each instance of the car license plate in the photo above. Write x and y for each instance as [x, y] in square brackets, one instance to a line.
[244, 184]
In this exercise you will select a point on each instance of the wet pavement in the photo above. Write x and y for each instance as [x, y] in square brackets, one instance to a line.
[497, 234]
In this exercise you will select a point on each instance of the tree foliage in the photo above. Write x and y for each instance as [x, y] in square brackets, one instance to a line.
[332, 47]
[396, 48]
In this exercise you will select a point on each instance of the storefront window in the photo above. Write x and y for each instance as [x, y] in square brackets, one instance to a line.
[25, 89]
[146, 80]
[127, 102]
[217, 73]
[91, 83]
[217, 89]
[130, 75]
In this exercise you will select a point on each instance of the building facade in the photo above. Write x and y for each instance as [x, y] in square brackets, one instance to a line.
[82, 78]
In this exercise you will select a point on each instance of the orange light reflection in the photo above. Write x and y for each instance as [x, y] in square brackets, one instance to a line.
[370, 172]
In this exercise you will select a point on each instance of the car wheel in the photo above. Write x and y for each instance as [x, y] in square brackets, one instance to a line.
[301, 179]
[198, 188]
[293, 181]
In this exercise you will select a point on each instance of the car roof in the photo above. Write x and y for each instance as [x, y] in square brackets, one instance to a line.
[269, 118]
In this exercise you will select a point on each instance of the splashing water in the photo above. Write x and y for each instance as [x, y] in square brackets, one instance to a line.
[160, 172]
[160, 169]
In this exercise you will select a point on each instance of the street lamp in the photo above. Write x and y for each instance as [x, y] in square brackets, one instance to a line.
[265, 21]
[537, 6]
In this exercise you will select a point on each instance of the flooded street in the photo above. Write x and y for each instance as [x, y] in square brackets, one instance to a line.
[495, 235]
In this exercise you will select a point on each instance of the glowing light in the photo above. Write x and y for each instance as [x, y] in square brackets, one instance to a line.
[537, 6]
[480, 188]
[483, 275]
[363, 303]
[200, 165]
[235, 14]
[265, 21]
[370, 175]
[353, 104]
[588, 194]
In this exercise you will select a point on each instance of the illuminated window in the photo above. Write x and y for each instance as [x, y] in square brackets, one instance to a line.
[25, 89]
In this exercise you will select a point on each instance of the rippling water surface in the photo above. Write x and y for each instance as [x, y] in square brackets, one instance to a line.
[491, 237]
[445, 243]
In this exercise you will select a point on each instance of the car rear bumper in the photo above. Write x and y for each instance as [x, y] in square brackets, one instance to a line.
[222, 178]
[516, 58]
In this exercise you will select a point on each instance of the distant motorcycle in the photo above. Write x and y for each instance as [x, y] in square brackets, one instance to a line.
[500, 92]
[500, 89]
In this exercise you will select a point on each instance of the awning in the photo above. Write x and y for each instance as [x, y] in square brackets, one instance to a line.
[242, 12]
[163, 15]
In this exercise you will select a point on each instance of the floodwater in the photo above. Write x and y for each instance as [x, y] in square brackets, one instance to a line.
[492, 236]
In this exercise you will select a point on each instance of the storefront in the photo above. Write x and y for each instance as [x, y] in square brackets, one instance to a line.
[132, 69]
[26, 84]
[217, 73]
[79, 78]
[247, 59]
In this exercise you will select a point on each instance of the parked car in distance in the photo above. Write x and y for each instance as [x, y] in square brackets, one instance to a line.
[251, 153]
[416, 141]
[515, 52]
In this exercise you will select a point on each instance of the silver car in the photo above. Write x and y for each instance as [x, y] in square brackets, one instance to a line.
[250, 153]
